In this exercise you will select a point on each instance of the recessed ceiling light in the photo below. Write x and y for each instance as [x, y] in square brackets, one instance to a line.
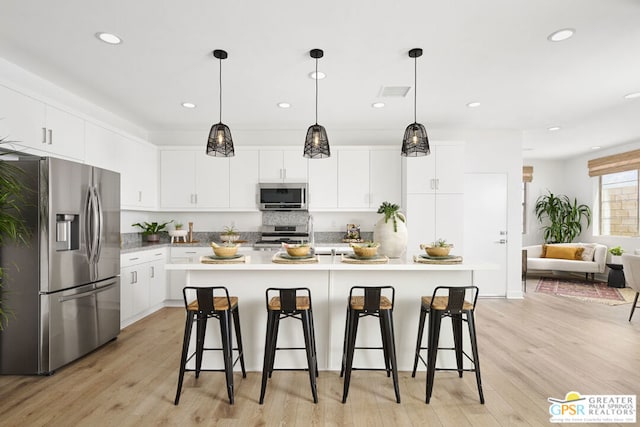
[553, 128]
[109, 38]
[473, 104]
[284, 105]
[560, 35]
[632, 95]
[319, 76]
[596, 147]
[188, 105]
[378, 105]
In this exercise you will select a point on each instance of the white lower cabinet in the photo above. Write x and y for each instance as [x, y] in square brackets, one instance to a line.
[142, 284]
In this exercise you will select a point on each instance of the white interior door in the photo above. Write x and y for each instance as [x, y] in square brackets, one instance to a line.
[485, 228]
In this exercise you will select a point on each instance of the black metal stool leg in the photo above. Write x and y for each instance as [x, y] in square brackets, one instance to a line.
[633, 306]
[236, 327]
[474, 349]
[274, 340]
[267, 356]
[313, 340]
[423, 315]
[385, 346]
[434, 335]
[201, 329]
[456, 325]
[351, 343]
[388, 317]
[344, 343]
[311, 362]
[185, 350]
[225, 333]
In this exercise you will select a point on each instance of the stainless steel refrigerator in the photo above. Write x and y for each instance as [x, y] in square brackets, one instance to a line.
[63, 286]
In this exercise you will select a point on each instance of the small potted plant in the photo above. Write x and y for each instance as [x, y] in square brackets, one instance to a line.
[616, 254]
[151, 230]
[230, 234]
[439, 248]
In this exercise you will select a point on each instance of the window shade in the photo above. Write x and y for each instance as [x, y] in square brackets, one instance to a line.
[615, 163]
[527, 173]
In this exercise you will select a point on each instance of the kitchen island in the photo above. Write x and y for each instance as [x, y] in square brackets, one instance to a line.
[329, 280]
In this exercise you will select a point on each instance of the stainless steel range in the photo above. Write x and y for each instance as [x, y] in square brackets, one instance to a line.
[272, 236]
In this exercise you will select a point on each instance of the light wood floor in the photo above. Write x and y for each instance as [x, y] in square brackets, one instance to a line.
[532, 349]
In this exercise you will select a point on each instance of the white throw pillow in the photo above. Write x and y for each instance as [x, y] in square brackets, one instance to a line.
[589, 251]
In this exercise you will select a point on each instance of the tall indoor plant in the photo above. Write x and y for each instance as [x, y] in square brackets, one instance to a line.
[391, 231]
[564, 217]
[13, 228]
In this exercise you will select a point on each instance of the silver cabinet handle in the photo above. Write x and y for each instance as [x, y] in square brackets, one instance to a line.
[284, 175]
[139, 196]
[44, 135]
[133, 275]
[196, 198]
[153, 272]
[50, 136]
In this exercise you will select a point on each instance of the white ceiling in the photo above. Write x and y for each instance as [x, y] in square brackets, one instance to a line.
[492, 51]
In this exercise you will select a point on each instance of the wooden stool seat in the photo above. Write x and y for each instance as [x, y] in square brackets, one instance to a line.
[357, 303]
[302, 303]
[442, 302]
[219, 303]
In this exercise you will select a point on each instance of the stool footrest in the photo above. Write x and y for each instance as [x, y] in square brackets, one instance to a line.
[368, 348]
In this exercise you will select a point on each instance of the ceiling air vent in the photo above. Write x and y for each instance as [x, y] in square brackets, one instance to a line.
[394, 91]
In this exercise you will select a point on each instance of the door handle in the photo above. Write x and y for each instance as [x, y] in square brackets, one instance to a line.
[501, 241]
[50, 136]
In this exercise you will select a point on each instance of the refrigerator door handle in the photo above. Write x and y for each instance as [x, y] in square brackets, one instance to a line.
[87, 293]
[99, 223]
[88, 210]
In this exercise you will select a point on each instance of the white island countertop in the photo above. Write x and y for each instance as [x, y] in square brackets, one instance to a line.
[262, 260]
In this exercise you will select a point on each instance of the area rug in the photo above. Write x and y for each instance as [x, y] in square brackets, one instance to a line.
[597, 292]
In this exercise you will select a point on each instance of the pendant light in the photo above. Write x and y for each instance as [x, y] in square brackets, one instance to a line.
[416, 141]
[316, 145]
[220, 143]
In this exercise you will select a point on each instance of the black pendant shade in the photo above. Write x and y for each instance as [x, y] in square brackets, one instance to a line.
[220, 143]
[415, 142]
[316, 144]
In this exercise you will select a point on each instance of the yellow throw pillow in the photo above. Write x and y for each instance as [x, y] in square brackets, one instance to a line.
[564, 252]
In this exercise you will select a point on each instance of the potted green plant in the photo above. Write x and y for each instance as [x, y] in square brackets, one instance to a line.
[391, 231]
[616, 254]
[564, 217]
[151, 230]
[13, 227]
[230, 234]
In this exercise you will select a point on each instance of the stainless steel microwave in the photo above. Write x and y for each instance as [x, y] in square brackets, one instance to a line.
[282, 196]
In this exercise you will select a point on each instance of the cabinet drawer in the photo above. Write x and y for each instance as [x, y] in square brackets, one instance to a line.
[135, 258]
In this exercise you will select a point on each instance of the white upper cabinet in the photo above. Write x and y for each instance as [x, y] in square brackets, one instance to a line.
[353, 179]
[139, 174]
[385, 172]
[103, 147]
[34, 124]
[283, 166]
[243, 179]
[440, 172]
[212, 181]
[323, 183]
[192, 180]
[21, 119]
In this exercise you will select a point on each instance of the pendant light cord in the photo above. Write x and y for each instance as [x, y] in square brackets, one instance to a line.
[415, 88]
[220, 81]
[316, 91]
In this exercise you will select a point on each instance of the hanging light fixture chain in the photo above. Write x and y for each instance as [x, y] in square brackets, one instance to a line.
[415, 88]
[316, 90]
[220, 85]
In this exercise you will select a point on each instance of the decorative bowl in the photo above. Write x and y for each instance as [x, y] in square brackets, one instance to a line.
[297, 250]
[225, 250]
[365, 250]
[436, 250]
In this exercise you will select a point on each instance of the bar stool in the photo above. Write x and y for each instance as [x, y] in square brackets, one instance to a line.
[455, 306]
[290, 303]
[372, 302]
[205, 306]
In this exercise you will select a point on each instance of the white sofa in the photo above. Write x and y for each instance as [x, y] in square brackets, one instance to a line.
[596, 264]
